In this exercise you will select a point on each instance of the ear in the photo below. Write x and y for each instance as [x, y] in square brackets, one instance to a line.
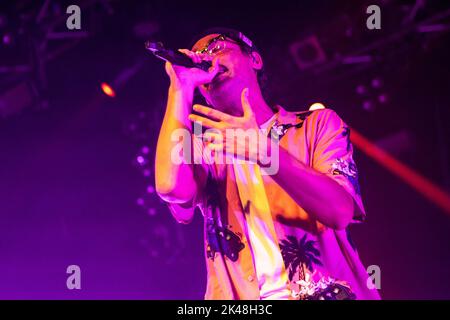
[257, 62]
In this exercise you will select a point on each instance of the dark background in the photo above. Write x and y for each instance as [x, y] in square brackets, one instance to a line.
[72, 192]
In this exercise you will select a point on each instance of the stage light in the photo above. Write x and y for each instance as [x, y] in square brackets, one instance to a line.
[368, 105]
[7, 39]
[108, 90]
[372, 94]
[420, 183]
[307, 52]
[376, 83]
[151, 211]
[316, 106]
[382, 98]
[146, 172]
[140, 160]
[361, 89]
[140, 202]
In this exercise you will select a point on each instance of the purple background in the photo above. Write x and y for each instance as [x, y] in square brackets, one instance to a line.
[69, 182]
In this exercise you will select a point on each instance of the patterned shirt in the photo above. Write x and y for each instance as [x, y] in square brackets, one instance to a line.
[314, 255]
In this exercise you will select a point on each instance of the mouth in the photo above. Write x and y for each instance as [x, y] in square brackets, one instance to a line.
[222, 68]
[221, 75]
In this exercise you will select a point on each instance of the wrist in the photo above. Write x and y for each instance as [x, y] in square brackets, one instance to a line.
[179, 104]
[186, 89]
[183, 95]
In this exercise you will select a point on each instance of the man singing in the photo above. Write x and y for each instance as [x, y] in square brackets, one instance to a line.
[280, 235]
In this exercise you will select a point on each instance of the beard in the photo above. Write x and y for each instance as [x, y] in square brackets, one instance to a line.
[225, 96]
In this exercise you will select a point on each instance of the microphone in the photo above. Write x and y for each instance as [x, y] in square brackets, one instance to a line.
[174, 57]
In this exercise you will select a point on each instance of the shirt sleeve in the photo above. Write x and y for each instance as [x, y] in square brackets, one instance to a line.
[333, 155]
[179, 211]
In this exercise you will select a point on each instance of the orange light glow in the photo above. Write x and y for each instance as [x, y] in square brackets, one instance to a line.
[108, 90]
[316, 106]
[424, 186]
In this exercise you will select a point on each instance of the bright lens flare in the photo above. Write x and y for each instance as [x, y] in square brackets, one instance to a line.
[316, 106]
[108, 90]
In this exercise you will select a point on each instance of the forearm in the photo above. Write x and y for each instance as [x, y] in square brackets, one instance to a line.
[174, 182]
[315, 192]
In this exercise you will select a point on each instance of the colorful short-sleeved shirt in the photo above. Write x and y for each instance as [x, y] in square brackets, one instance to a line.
[310, 250]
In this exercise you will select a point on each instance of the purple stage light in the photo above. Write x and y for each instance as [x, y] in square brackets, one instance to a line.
[376, 83]
[140, 201]
[151, 211]
[361, 89]
[382, 98]
[368, 105]
[140, 160]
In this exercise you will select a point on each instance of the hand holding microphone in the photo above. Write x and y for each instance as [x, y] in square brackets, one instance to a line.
[186, 69]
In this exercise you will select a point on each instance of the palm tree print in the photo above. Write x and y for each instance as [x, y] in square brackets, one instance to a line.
[298, 254]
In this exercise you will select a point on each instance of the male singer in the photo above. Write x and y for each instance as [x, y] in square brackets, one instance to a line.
[267, 236]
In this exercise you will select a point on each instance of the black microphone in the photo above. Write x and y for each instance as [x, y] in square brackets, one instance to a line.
[174, 57]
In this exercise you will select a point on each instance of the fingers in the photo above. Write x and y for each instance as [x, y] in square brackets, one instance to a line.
[217, 147]
[213, 137]
[245, 103]
[214, 67]
[169, 68]
[212, 113]
[214, 140]
[205, 122]
[202, 77]
[195, 57]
